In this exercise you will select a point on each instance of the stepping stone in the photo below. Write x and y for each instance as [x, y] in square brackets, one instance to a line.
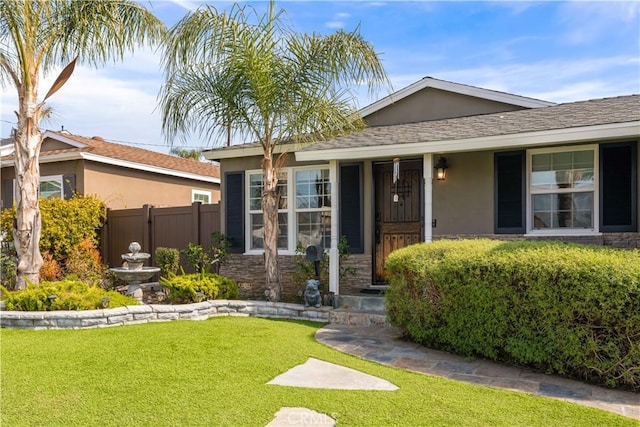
[289, 417]
[316, 373]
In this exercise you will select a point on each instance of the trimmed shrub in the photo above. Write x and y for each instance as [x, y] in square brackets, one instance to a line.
[197, 287]
[70, 294]
[168, 260]
[560, 308]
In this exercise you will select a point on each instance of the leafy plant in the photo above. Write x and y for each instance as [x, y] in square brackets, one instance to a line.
[84, 262]
[199, 286]
[65, 223]
[50, 270]
[7, 270]
[205, 261]
[70, 294]
[168, 260]
[304, 269]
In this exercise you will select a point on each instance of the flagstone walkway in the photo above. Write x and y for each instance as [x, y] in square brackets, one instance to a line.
[383, 345]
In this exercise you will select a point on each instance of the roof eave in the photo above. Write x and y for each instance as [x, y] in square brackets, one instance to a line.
[78, 155]
[522, 140]
[235, 152]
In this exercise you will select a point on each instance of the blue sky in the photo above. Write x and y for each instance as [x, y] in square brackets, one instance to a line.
[551, 50]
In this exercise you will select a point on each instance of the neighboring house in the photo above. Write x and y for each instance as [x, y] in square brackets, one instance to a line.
[517, 168]
[120, 175]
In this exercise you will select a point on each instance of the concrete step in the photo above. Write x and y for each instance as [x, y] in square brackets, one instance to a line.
[374, 303]
[357, 318]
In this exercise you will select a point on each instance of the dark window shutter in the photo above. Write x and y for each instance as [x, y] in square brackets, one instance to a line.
[68, 185]
[510, 192]
[7, 193]
[234, 210]
[618, 187]
[351, 212]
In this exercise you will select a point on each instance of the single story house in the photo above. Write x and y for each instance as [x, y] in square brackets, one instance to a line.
[443, 160]
[120, 175]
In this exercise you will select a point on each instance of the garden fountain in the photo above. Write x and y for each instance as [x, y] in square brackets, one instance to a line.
[134, 273]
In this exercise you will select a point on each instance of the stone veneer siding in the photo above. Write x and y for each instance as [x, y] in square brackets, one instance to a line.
[136, 314]
[248, 270]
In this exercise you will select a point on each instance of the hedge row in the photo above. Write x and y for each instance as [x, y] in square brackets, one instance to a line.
[567, 309]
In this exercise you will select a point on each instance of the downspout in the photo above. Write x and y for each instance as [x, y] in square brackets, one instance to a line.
[428, 197]
[334, 255]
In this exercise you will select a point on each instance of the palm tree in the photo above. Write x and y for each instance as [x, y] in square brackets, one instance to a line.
[186, 153]
[249, 74]
[36, 37]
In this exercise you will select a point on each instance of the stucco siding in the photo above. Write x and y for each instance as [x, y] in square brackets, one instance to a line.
[435, 104]
[463, 203]
[123, 188]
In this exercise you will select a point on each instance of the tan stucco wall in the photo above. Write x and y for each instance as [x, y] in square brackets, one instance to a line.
[463, 203]
[435, 104]
[124, 188]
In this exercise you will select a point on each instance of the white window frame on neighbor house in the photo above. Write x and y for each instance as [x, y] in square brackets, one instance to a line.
[288, 208]
[196, 194]
[43, 180]
[594, 188]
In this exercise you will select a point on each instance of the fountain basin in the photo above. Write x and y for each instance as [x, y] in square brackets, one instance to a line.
[134, 276]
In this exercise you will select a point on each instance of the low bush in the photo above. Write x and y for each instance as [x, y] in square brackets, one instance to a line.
[168, 260]
[50, 270]
[84, 262]
[7, 270]
[70, 294]
[197, 287]
[560, 308]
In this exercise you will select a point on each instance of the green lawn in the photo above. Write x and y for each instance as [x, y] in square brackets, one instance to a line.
[214, 372]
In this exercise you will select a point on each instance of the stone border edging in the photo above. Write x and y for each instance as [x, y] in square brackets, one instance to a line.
[137, 314]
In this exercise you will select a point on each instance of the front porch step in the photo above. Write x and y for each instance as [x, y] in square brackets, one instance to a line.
[358, 318]
[361, 303]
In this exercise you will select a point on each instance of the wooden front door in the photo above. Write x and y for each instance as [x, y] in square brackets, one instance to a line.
[398, 210]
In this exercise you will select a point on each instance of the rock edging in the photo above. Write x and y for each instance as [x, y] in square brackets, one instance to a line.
[137, 314]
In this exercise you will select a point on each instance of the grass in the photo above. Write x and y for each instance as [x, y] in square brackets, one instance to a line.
[214, 373]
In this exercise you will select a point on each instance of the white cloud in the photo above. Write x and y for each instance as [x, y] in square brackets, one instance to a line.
[334, 24]
[588, 21]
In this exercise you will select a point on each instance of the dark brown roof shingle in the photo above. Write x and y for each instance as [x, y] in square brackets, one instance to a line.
[604, 111]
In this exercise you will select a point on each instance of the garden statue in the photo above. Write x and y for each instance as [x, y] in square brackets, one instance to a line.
[312, 294]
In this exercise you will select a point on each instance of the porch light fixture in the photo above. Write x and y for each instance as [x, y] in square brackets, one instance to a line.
[441, 169]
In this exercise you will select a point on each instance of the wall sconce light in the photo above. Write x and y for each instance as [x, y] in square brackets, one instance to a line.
[441, 169]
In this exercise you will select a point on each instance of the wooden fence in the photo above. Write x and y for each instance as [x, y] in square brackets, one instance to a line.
[173, 227]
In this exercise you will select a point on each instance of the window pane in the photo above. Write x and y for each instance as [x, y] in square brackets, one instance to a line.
[541, 162]
[314, 228]
[257, 231]
[564, 210]
[51, 189]
[256, 187]
[313, 190]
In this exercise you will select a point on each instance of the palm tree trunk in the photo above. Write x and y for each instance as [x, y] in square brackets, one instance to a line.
[28, 225]
[270, 200]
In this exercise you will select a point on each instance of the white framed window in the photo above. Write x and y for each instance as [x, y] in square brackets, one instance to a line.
[562, 190]
[201, 196]
[304, 209]
[50, 187]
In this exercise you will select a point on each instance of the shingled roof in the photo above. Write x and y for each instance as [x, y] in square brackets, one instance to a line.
[606, 111]
[97, 149]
